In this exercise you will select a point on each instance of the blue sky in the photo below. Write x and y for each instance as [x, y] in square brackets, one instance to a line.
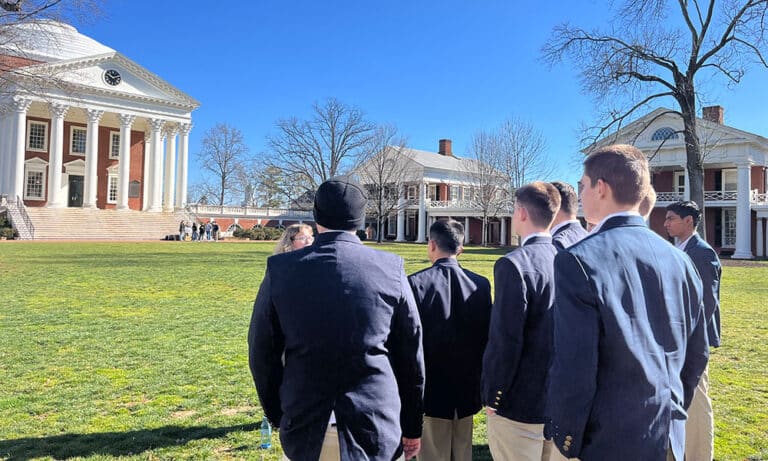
[435, 69]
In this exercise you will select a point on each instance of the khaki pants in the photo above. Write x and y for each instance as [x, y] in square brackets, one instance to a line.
[514, 441]
[700, 427]
[331, 451]
[446, 439]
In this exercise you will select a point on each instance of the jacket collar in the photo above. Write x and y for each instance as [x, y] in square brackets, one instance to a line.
[447, 262]
[336, 236]
[693, 240]
[538, 238]
[622, 221]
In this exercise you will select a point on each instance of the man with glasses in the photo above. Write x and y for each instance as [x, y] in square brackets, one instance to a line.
[335, 328]
[630, 339]
[680, 222]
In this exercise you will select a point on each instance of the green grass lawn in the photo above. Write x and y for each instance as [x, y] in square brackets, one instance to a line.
[138, 351]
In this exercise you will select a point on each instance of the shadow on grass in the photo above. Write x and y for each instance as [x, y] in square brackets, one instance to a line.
[111, 443]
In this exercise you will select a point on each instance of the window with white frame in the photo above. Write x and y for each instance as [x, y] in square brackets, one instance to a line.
[34, 181]
[680, 182]
[729, 227]
[112, 189]
[433, 192]
[78, 136]
[411, 194]
[37, 136]
[114, 144]
[392, 224]
[730, 180]
[466, 193]
[455, 193]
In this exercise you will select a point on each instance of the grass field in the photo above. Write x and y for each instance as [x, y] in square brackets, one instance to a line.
[138, 351]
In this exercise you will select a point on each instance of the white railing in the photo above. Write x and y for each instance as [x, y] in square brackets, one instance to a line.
[758, 198]
[450, 204]
[216, 210]
[669, 196]
[720, 195]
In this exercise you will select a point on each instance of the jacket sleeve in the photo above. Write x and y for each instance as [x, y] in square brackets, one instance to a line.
[506, 331]
[407, 358]
[266, 345]
[708, 265]
[573, 374]
[697, 346]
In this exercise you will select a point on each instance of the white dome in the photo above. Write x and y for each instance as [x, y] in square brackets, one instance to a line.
[48, 41]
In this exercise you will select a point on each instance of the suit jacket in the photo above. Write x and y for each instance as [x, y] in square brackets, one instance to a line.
[708, 264]
[516, 361]
[344, 316]
[630, 345]
[568, 235]
[455, 308]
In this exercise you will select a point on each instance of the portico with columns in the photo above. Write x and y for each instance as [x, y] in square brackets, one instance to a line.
[92, 136]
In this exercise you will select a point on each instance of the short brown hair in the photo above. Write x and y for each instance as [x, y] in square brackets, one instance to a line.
[569, 201]
[624, 168]
[541, 200]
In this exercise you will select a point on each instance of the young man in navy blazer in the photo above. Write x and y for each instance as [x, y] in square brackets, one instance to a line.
[566, 229]
[630, 334]
[516, 361]
[455, 308]
[335, 328]
[680, 223]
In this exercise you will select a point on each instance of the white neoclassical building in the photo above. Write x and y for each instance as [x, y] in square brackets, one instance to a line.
[83, 126]
[735, 179]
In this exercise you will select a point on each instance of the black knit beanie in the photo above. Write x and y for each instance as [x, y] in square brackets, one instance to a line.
[340, 204]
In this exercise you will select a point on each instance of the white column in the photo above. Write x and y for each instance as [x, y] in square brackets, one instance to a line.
[466, 230]
[147, 173]
[765, 241]
[124, 167]
[503, 236]
[401, 216]
[5, 156]
[20, 107]
[759, 238]
[743, 215]
[686, 184]
[56, 150]
[183, 169]
[91, 185]
[156, 169]
[169, 186]
[422, 213]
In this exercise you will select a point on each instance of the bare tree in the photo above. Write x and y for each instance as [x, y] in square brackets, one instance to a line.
[262, 185]
[655, 50]
[223, 152]
[522, 151]
[490, 186]
[384, 174]
[331, 142]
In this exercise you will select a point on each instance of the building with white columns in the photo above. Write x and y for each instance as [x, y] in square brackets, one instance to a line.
[735, 179]
[83, 126]
[440, 185]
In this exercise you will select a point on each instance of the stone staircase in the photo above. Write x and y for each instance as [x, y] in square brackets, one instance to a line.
[97, 224]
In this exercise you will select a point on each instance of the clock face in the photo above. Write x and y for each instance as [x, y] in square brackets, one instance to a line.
[112, 77]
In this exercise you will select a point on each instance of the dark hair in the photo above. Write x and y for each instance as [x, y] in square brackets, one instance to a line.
[624, 168]
[686, 208]
[541, 200]
[448, 235]
[569, 201]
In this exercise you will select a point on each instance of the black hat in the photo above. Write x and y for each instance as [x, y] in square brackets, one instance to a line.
[340, 204]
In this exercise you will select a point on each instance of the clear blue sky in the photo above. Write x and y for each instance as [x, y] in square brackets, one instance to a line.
[435, 69]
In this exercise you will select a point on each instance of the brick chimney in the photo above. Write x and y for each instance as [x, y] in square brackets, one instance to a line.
[714, 114]
[445, 148]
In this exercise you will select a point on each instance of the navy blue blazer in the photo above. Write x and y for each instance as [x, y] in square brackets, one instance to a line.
[708, 264]
[455, 308]
[345, 318]
[516, 361]
[630, 345]
[568, 235]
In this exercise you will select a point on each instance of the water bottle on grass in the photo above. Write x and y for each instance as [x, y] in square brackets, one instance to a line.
[266, 434]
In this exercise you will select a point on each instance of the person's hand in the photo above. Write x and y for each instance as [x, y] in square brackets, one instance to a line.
[490, 411]
[411, 447]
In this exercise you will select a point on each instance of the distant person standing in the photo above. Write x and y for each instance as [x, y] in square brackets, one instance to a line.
[630, 341]
[194, 231]
[208, 229]
[455, 308]
[680, 223]
[215, 231]
[182, 224]
[335, 328]
[566, 229]
[517, 359]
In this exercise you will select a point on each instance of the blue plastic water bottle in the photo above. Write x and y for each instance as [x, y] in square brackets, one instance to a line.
[266, 434]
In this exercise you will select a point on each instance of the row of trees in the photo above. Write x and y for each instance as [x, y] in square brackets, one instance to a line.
[338, 139]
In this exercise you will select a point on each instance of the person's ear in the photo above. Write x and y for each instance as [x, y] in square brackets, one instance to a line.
[460, 250]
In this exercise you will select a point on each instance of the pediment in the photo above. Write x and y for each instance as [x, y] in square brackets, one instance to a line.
[75, 166]
[135, 82]
[35, 161]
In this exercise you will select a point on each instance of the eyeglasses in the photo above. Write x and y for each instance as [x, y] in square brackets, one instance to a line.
[303, 238]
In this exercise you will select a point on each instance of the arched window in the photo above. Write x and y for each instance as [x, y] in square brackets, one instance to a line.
[234, 227]
[663, 134]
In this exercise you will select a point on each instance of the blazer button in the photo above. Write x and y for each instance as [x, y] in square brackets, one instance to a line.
[568, 437]
[499, 393]
[565, 447]
[567, 443]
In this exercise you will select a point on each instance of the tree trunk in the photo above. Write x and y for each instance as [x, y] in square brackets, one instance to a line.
[694, 164]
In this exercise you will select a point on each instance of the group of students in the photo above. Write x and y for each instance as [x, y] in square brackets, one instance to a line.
[594, 347]
[205, 231]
